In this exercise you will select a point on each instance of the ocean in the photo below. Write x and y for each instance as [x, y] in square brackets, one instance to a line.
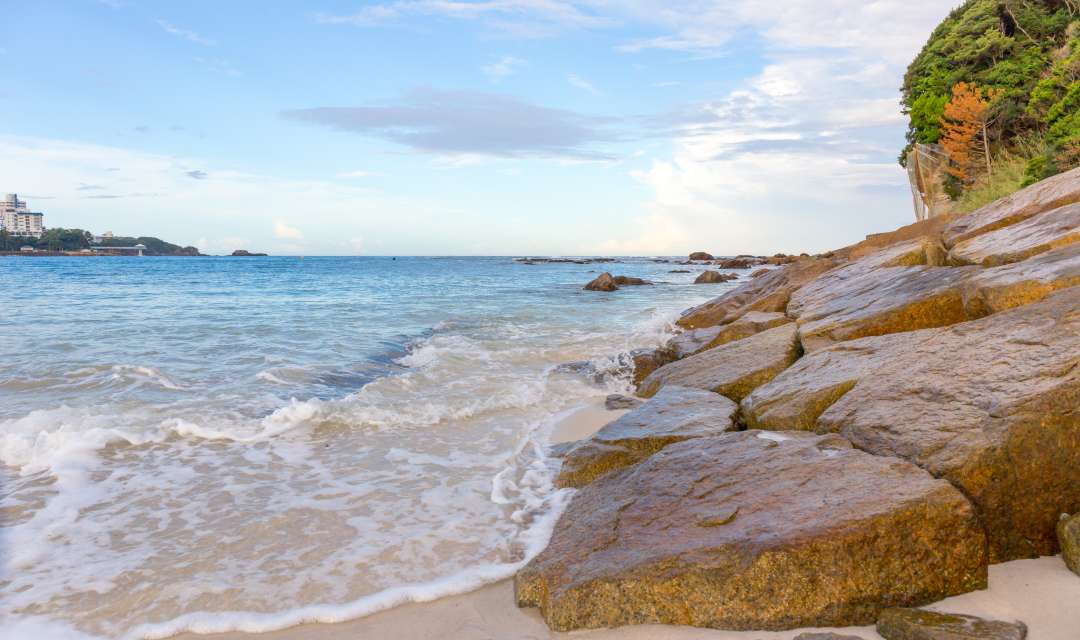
[215, 444]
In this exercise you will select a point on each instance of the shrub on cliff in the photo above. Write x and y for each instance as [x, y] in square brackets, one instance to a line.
[1029, 51]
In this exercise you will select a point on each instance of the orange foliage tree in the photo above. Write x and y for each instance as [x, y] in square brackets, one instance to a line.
[966, 129]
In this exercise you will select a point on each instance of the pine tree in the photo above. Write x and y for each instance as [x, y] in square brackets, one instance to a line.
[965, 129]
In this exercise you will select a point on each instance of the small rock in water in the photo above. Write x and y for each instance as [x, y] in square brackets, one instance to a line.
[712, 277]
[919, 624]
[1068, 531]
[605, 282]
[701, 255]
[618, 402]
[627, 281]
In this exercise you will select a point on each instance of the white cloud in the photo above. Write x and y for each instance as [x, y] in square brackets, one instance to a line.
[285, 232]
[582, 83]
[186, 34]
[502, 68]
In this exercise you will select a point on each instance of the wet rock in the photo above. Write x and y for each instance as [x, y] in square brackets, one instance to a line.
[741, 262]
[733, 369]
[619, 402]
[919, 624]
[1038, 234]
[674, 415]
[770, 292]
[604, 282]
[691, 341]
[825, 636]
[701, 255]
[760, 272]
[1068, 532]
[679, 271]
[754, 530]
[646, 361]
[1048, 194]
[889, 291]
[751, 323]
[990, 405]
[714, 277]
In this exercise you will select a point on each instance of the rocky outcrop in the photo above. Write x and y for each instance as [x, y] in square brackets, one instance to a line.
[604, 282]
[733, 369]
[740, 262]
[1038, 234]
[770, 292]
[714, 277]
[760, 272]
[701, 255]
[919, 624]
[241, 253]
[674, 415]
[692, 341]
[889, 292]
[990, 405]
[1051, 193]
[754, 530]
[1068, 532]
[627, 281]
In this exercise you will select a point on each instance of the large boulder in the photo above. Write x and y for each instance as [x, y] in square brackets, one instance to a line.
[733, 369]
[889, 292]
[769, 292]
[1068, 532]
[646, 361]
[628, 281]
[701, 255]
[691, 341]
[990, 405]
[673, 415]
[1038, 234]
[1048, 194]
[755, 530]
[919, 624]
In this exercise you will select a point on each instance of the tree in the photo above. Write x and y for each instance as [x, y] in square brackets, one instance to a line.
[965, 129]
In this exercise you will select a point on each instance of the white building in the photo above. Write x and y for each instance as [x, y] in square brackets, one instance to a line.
[17, 220]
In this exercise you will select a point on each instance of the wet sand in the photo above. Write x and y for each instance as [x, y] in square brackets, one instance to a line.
[1043, 593]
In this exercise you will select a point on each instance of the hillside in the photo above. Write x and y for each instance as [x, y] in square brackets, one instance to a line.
[1023, 56]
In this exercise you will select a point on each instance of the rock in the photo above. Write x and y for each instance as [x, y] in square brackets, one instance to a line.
[825, 636]
[1038, 234]
[242, 253]
[619, 402]
[679, 271]
[765, 293]
[990, 405]
[674, 415]
[691, 341]
[604, 282]
[627, 281]
[648, 360]
[1068, 532]
[701, 255]
[1054, 192]
[760, 272]
[751, 323]
[713, 277]
[919, 624]
[754, 530]
[733, 369]
[741, 262]
[1013, 285]
[781, 259]
[886, 292]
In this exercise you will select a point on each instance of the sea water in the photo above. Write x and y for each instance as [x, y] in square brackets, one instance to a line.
[214, 444]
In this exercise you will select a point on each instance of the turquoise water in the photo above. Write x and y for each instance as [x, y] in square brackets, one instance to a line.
[231, 443]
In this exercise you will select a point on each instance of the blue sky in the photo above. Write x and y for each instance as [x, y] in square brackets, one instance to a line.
[454, 127]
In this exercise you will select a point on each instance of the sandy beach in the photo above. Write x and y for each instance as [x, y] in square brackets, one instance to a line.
[1042, 593]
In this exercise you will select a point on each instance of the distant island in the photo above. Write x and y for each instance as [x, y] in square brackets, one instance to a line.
[244, 253]
[82, 242]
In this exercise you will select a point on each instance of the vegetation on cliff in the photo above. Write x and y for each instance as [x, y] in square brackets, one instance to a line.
[59, 239]
[1024, 58]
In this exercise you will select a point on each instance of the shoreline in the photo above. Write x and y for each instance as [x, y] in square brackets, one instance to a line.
[1037, 592]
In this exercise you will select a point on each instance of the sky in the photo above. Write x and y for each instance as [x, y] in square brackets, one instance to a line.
[454, 127]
